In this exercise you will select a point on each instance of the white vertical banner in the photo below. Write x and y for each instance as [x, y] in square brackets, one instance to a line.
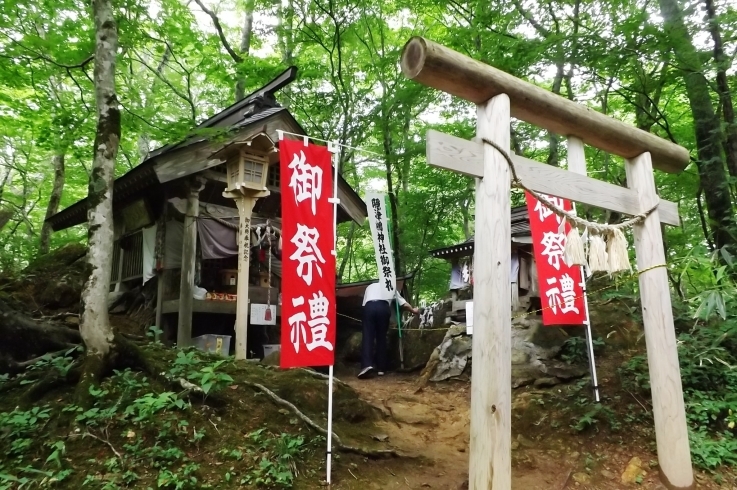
[376, 205]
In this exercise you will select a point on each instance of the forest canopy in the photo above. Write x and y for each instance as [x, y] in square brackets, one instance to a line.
[666, 67]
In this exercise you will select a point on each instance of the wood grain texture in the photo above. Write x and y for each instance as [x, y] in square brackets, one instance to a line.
[669, 413]
[466, 157]
[189, 247]
[245, 208]
[491, 388]
[576, 156]
[208, 306]
[445, 69]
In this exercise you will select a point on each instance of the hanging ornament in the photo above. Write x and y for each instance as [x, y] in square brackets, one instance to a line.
[597, 254]
[574, 253]
[618, 256]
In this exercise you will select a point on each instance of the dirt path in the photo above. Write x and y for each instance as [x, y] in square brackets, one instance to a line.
[434, 425]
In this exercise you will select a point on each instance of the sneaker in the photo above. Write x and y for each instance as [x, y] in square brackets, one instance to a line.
[380, 373]
[365, 372]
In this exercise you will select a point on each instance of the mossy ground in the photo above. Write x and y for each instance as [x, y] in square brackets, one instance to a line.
[144, 433]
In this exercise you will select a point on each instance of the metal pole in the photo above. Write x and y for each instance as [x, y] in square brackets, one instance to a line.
[590, 340]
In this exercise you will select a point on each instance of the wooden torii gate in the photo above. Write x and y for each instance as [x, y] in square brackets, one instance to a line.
[499, 96]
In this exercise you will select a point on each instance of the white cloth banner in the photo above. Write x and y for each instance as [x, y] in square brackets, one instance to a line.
[149, 250]
[173, 244]
[376, 205]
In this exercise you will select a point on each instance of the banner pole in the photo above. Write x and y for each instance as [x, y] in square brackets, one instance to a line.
[330, 420]
[589, 339]
[396, 292]
[333, 147]
[589, 336]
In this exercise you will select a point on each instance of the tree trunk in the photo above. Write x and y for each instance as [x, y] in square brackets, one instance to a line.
[95, 324]
[348, 245]
[725, 95]
[5, 215]
[245, 48]
[554, 139]
[58, 162]
[707, 126]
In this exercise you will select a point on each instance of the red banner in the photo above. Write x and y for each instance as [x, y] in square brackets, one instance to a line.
[561, 288]
[308, 263]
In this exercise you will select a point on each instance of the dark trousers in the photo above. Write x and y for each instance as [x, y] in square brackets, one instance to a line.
[376, 316]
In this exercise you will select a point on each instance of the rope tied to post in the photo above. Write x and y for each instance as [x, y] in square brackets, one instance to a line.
[611, 256]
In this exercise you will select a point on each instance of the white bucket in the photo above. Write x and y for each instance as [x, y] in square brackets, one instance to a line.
[269, 348]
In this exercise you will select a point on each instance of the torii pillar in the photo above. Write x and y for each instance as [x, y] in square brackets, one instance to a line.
[499, 96]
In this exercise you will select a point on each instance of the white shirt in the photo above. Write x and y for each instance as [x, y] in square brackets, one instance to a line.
[375, 292]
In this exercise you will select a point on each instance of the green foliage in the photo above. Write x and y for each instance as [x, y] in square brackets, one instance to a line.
[210, 377]
[575, 349]
[275, 458]
[709, 375]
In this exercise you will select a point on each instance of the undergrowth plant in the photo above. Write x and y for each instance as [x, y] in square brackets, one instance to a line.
[142, 433]
[708, 359]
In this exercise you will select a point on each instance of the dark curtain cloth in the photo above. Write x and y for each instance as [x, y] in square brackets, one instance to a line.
[217, 241]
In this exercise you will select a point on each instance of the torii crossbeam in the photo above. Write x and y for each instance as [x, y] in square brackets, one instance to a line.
[499, 96]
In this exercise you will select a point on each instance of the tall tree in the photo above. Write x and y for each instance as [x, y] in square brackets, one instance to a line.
[57, 162]
[706, 124]
[725, 95]
[95, 323]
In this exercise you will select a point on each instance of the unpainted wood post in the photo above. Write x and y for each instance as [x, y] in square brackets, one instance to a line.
[159, 264]
[189, 247]
[671, 432]
[245, 209]
[491, 377]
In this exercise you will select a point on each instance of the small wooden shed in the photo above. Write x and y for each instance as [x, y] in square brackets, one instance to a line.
[523, 275]
[173, 223]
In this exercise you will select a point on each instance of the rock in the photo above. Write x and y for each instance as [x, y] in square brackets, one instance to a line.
[525, 442]
[575, 455]
[273, 359]
[633, 472]
[454, 355]
[380, 437]
[582, 478]
[515, 445]
[609, 475]
[546, 382]
[520, 357]
[62, 292]
[352, 348]
[419, 345]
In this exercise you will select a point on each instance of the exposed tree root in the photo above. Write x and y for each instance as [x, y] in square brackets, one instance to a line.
[316, 374]
[123, 354]
[23, 339]
[49, 383]
[13, 367]
[369, 453]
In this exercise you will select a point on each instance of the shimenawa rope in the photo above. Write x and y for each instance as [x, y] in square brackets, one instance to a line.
[610, 257]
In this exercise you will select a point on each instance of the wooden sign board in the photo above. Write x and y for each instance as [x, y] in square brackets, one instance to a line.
[136, 215]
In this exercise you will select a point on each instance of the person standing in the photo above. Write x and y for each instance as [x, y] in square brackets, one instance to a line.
[376, 314]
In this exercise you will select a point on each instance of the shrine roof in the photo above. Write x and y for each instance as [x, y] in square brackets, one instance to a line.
[256, 110]
[520, 230]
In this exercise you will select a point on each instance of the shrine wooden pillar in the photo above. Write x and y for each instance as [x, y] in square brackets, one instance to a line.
[671, 432]
[491, 387]
[189, 249]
